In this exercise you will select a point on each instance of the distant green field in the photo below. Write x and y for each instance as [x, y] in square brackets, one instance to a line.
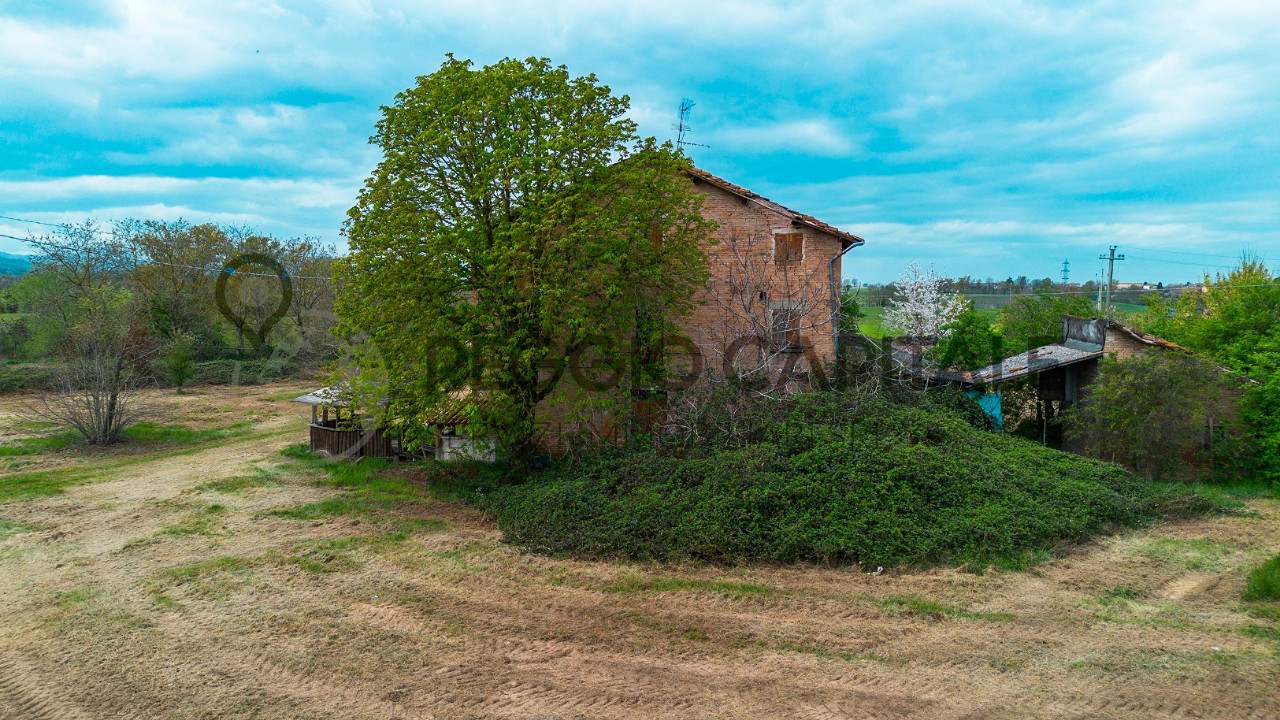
[872, 321]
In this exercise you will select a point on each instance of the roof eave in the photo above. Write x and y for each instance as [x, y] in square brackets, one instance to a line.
[847, 240]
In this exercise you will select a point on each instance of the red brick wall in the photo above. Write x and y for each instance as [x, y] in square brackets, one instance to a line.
[1123, 346]
[744, 252]
[744, 238]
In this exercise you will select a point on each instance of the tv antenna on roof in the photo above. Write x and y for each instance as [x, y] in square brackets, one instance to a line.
[682, 127]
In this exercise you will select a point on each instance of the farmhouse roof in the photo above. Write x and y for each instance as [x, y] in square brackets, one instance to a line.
[1068, 352]
[847, 240]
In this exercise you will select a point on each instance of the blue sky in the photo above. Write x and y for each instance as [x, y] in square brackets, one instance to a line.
[985, 138]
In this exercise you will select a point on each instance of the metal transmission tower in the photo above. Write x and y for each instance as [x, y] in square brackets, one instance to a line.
[683, 127]
[1066, 271]
[1111, 257]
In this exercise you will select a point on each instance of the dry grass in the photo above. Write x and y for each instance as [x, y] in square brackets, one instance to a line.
[168, 587]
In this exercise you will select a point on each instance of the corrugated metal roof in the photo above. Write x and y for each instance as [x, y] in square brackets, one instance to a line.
[1033, 361]
[453, 411]
[324, 396]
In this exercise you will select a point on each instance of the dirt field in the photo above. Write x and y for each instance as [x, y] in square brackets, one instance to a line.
[166, 588]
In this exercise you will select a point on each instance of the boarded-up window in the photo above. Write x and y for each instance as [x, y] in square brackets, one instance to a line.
[788, 248]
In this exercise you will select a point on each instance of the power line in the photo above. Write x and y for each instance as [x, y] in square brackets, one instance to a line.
[33, 222]
[1181, 262]
[1184, 252]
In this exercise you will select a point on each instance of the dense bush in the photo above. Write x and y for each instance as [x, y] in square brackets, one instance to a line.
[14, 378]
[1146, 411]
[836, 478]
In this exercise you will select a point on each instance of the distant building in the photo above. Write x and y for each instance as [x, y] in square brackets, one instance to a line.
[1066, 368]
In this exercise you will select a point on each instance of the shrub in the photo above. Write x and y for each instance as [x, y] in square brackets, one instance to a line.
[836, 478]
[1146, 411]
[14, 378]
[969, 342]
[178, 358]
[249, 372]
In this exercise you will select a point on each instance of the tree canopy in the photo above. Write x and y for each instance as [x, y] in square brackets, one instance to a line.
[1235, 321]
[514, 219]
[1034, 320]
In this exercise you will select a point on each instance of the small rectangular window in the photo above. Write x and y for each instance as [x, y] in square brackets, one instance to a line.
[788, 248]
[785, 333]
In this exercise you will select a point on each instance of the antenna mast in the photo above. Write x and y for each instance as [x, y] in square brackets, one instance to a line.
[683, 126]
[1066, 271]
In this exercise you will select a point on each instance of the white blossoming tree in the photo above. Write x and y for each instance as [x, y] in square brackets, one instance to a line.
[922, 310]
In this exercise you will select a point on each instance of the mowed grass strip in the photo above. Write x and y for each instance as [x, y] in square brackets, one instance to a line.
[39, 444]
[9, 527]
[241, 484]
[173, 441]
[213, 579]
[367, 488]
[144, 433]
[933, 610]
[644, 584]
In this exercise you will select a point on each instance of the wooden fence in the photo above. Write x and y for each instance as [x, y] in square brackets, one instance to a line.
[351, 443]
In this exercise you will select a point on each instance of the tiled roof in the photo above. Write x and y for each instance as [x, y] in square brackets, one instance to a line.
[846, 239]
[1148, 338]
[455, 409]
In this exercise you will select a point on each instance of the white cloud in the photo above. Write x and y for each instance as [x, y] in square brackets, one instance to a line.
[997, 122]
[818, 137]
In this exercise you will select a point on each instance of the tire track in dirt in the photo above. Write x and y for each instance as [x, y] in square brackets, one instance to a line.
[255, 669]
[23, 695]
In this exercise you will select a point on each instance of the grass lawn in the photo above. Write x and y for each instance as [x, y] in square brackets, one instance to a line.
[229, 579]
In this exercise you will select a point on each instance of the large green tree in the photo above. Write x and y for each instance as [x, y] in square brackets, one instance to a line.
[515, 218]
[1034, 320]
[1235, 321]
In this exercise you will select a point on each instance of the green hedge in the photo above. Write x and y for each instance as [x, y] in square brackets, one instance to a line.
[252, 372]
[867, 481]
[14, 378]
